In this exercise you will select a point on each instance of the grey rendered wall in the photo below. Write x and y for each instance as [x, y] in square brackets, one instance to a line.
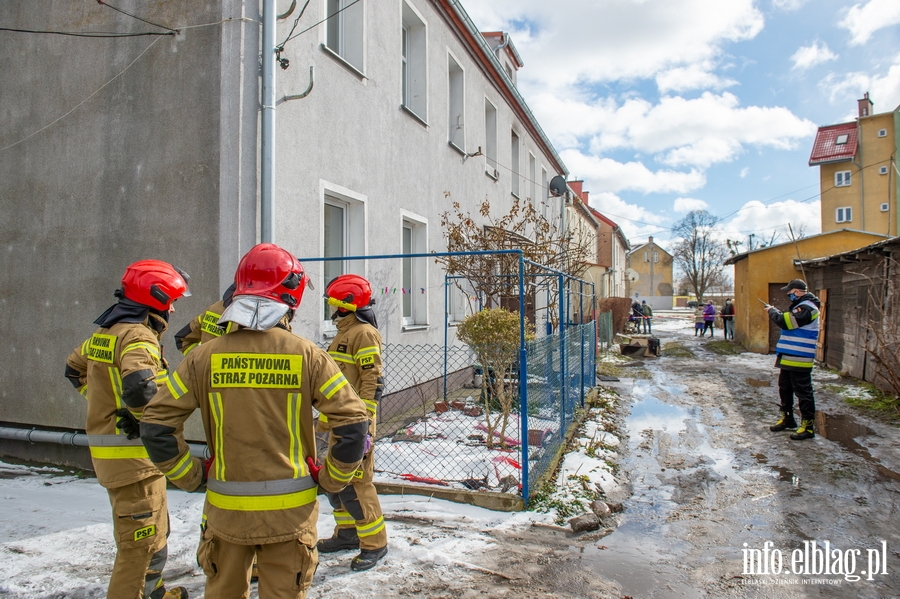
[109, 153]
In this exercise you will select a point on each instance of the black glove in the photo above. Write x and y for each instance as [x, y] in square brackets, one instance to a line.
[128, 424]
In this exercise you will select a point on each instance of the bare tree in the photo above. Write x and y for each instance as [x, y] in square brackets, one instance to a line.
[882, 315]
[523, 227]
[699, 254]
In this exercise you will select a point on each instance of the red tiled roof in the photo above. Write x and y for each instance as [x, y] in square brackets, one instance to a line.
[825, 150]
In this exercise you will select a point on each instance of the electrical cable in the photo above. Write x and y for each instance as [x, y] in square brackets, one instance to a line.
[102, 34]
[319, 23]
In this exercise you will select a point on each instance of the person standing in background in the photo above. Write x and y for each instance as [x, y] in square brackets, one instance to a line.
[727, 314]
[709, 317]
[648, 316]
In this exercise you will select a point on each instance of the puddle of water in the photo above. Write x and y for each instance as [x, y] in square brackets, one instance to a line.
[649, 412]
[638, 564]
[844, 431]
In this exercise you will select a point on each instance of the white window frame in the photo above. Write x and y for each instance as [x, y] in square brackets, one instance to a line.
[842, 179]
[646, 256]
[345, 33]
[456, 102]
[885, 207]
[883, 170]
[532, 178]
[882, 133]
[414, 273]
[515, 146]
[545, 193]
[490, 139]
[844, 214]
[414, 63]
[656, 256]
[354, 242]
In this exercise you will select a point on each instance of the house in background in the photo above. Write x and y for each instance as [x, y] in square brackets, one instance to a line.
[612, 255]
[858, 172]
[760, 275]
[650, 275]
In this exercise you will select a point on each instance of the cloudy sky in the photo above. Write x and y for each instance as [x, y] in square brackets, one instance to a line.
[664, 106]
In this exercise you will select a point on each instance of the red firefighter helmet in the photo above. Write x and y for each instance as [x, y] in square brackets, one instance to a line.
[154, 283]
[268, 270]
[349, 292]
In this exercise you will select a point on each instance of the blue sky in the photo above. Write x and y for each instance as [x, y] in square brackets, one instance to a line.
[662, 106]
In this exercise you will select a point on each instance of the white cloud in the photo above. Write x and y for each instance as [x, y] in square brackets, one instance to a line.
[608, 175]
[697, 76]
[862, 20]
[768, 223]
[636, 222]
[809, 56]
[692, 132]
[845, 88]
[744, 172]
[589, 41]
[689, 204]
[788, 5]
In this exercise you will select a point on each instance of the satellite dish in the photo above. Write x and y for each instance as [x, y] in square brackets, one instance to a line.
[558, 186]
[632, 275]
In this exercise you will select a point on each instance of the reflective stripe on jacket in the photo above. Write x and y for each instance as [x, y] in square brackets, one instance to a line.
[104, 360]
[255, 391]
[357, 350]
[797, 343]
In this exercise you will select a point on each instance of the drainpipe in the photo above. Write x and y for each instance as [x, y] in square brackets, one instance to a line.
[267, 123]
[33, 435]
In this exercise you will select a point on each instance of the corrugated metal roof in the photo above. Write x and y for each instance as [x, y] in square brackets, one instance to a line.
[826, 148]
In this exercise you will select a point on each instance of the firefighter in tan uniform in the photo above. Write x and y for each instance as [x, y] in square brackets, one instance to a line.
[256, 387]
[359, 522]
[117, 369]
[205, 327]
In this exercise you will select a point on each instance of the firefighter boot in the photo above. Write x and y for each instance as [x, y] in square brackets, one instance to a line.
[786, 421]
[367, 558]
[805, 431]
[176, 593]
[344, 539]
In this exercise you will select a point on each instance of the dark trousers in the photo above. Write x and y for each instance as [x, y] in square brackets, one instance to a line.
[647, 328]
[708, 324]
[799, 383]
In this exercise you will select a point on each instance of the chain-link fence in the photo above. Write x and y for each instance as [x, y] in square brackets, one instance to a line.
[605, 329]
[443, 419]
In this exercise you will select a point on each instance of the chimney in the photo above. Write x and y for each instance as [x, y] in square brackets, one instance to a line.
[576, 187]
[584, 197]
[865, 106]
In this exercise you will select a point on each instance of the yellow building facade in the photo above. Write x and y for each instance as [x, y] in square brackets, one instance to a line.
[759, 275]
[858, 173]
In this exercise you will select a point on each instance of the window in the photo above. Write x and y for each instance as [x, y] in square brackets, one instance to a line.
[656, 256]
[343, 234]
[490, 143]
[545, 193]
[514, 163]
[456, 133]
[885, 207]
[532, 178]
[344, 31]
[883, 170]
[841, 139]
[414, 241]
[413, 52]
[843, 215]
[646, 256]
[842, 179]
[882, 133]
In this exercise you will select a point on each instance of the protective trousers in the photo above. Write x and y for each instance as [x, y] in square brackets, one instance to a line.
[799, 383]
[140, 528]
[285, 569]
[357, 507]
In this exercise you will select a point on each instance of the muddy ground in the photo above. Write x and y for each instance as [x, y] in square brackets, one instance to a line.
[710, 487]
